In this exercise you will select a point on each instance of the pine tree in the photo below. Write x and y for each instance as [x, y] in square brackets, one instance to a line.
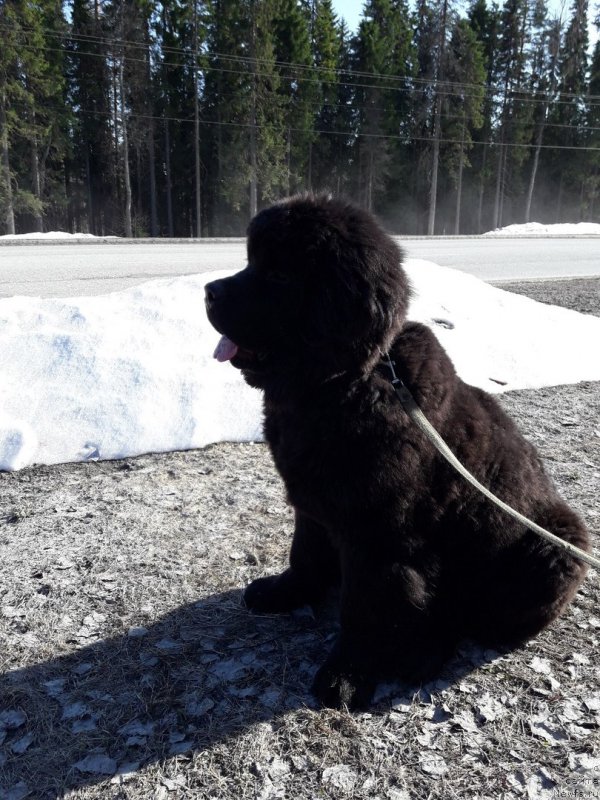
[184, 117]
[297, 89]
[570, 112]
[242, 101]
[439, 76]
[462, 106]
[334, 118]
[150, 108]
[544, 79]
[594, 128]
[384, 55]
[10, 90]
[50, 114]
[93, 175]
[139, 52]
[268, 152]
[514, 113]
[485, 22]
[425, 37]
[118, 15]
[174, 82]
[32, 111]
[223, 101]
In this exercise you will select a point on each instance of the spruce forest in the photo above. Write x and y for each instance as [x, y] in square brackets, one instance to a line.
[183, 117]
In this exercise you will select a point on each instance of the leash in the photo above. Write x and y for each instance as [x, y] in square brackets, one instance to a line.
[418, 417]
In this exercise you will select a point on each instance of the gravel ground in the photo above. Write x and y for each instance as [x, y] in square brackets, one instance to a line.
[130, 669]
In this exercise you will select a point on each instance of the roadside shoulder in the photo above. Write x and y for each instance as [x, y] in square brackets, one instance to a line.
[578, 294]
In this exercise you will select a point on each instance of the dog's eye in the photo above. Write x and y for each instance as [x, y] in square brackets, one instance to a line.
[278, 276]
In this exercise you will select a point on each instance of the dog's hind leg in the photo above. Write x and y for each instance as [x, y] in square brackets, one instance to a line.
[313, 570]
[533, 583]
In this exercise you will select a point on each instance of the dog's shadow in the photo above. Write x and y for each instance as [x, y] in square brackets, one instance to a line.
[200, 675]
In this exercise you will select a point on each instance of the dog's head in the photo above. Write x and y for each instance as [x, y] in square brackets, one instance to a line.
[323, 293]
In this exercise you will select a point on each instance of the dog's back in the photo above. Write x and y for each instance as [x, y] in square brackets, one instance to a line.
[514, 582]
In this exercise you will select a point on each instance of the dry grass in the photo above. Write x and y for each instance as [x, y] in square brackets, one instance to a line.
[130, 669]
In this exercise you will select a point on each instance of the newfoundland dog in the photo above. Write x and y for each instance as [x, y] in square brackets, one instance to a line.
[421, 558]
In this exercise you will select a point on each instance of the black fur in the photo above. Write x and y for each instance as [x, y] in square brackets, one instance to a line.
[423, 559]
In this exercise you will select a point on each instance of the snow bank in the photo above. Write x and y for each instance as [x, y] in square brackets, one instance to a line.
[501, 341]
[132, 372]
[53, 235]
[116, 375]
[537, 229]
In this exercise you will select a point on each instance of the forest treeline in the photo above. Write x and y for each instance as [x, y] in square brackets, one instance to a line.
[183, 117]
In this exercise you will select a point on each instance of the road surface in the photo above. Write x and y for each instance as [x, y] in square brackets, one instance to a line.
[84, 268]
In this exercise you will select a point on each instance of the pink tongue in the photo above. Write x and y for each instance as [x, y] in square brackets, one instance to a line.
[226, 349]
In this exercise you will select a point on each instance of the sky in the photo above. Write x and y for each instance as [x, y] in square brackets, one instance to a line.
[133, 371]
[351, 10]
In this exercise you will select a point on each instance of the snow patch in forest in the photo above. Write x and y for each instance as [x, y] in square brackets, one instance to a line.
[54, 235]
[537, 229]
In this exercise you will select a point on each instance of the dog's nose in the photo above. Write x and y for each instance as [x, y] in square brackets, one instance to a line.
[212, 291]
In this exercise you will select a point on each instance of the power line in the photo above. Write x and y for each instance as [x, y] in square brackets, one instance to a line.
[539, 96]
[369, 108]
[408, 90]
[333, 106]
[407, 140]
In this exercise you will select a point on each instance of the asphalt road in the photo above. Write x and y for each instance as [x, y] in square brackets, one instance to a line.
[72, 269]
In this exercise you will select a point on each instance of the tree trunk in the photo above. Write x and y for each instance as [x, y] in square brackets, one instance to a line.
[459, 192]
[9, 217]
[370, 181]
[498, 200]
[73, 223]
[554, 54]
[499, 179]
[126, 174]
[593, 195]
[88, 178]
[35, 182]
[435, 160]
[253, 142]
[437, 124]
[559, 200]
[289, 162]
[502, 188]
[481, 189]
[169, 187]
[253, 169]
[218, 203]
[534, 169]
[154, 231]
[115, 127]
[197, 186]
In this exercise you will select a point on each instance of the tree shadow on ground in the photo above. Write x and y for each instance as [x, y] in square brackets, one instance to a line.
[200, 675]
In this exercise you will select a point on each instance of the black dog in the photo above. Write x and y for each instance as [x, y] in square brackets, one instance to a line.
[423, 559]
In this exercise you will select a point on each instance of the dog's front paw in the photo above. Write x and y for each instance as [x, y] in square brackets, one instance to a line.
[338, 684]
[274, 594]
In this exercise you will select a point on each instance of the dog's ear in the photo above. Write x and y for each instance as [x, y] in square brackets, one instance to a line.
[357, 295]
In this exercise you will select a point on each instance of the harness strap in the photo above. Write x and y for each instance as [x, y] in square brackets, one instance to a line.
[418, 417]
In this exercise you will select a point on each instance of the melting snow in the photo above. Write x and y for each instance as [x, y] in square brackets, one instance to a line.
[132, 372]
[559, 229]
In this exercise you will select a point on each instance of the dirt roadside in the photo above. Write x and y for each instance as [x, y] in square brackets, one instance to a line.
[130, 670]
